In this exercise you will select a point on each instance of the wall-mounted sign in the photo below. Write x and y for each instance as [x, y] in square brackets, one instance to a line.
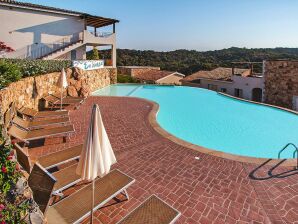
[88, 64]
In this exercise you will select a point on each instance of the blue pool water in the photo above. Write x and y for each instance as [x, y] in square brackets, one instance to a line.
[208, 119]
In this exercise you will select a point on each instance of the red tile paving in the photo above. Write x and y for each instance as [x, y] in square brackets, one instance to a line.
[209, 190]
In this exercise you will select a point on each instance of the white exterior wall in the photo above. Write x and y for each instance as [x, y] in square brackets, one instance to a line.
[247, 84]
[23, 27]
[220, 84]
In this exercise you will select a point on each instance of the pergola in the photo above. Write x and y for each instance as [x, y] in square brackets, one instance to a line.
[98, 21]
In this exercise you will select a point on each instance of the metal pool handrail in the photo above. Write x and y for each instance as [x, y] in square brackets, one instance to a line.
[294, 153]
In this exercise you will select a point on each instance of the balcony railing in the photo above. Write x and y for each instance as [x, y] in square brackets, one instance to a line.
[101, 34]
[39, 51]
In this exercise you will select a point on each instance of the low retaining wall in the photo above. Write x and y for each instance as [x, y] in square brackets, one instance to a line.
[28, 91]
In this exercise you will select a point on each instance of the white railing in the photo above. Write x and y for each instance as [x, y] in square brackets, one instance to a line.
[101, 34]
[41, 50]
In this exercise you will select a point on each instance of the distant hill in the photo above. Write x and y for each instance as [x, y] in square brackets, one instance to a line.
[190, 61]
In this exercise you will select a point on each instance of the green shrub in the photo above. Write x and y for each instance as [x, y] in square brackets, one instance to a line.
[12, 70]
[126, 79]
[13, 206]
[38, 67]
[8, 73]
[94, 55]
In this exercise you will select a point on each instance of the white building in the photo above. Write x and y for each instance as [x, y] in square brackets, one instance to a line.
[242, 83]
[36, 31]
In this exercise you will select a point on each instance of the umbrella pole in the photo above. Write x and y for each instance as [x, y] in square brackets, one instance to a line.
[61, 98]
[92, 206]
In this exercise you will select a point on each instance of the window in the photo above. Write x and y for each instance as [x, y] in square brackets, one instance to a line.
[198, 81]
[212, 87]
[223, 90]
[238, 93]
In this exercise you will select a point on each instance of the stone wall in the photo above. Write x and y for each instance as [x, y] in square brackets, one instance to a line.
[28, 91]
[281, 82]
[135, 70]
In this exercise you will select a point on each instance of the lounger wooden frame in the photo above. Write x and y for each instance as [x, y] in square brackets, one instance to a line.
[27, 136]
[55, 101]
[67, 175]
[29, 125]
[33, 114]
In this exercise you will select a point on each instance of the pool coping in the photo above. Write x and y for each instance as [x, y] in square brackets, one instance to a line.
[244, 159]
[259, 103]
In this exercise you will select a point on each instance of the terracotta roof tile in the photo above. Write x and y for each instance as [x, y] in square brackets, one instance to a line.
[153, 75]
[220, 73]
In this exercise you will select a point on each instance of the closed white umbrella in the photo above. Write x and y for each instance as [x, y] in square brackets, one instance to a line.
[97, 155]
[62, 83]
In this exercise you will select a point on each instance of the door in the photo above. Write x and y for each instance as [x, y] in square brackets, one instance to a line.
[73, 55]
[257, 94]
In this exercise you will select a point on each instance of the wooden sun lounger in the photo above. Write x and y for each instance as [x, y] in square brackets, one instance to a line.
[152, 211]
[39, 123]
[55, 101]
[26, 136]
[48, 161]
[65, 178]
[76, 206]
[33, 114]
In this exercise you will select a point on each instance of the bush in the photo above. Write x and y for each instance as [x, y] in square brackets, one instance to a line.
[30, 67]
[8, 73]
[126, 79]
[94, 54]
[13, 206]
[12, 70]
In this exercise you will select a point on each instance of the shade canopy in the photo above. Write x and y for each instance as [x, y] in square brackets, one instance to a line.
[62, 81]
[97, 155]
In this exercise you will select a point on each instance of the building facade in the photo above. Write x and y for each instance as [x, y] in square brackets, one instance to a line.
[237, 82]
[41, 32]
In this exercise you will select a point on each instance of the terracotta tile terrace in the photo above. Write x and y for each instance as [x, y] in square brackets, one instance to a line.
[208, 190]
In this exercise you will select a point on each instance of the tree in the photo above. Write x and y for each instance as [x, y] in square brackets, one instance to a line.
[94, 55]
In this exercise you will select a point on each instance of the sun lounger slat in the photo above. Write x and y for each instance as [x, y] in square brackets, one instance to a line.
[60, 157]
[42, 114]
[66, 177]
[39, 123]
[38, 134]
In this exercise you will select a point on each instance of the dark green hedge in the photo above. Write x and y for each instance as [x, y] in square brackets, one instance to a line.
[126, 79]
[22, 68]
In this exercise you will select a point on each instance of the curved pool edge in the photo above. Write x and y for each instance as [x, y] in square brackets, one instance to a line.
[245, 159]
[259, 103]
[152, 117]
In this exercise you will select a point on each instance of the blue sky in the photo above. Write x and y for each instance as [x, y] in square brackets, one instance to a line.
[195, 24]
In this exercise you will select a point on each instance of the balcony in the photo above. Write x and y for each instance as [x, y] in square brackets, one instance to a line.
[99, 38]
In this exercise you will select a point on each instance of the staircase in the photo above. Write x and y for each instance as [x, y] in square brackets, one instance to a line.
[62, 51]
[48, 50]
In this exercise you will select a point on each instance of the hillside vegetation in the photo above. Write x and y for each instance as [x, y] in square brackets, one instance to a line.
[190, 61]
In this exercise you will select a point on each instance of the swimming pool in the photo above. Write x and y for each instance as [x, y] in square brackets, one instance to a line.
[214, 121]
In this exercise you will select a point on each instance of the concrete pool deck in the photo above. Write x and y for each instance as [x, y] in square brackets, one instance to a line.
[209, 190]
